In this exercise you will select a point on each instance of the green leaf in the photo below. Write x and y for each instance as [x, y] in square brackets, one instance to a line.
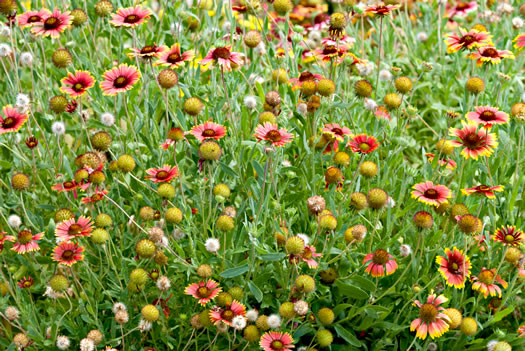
[364, 283]
[501, 314]
[233, 272]
[352, 291]
[273, 256]
[255, 291]
[347, 335]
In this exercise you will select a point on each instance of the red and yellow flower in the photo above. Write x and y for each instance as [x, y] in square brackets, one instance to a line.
[483, 190]
[475, 142]
[363, 144]
[72, 228]
[449, 163]
[208, 130]
[432, 319]
[487, 116]
[68, 253]
[203, 291]
[77, 84]
[228, 313]
[378, 261]
[119, 79]
[466, 40]
[431, 194]
[271, 132]
[147, 52]
[25, 241]
[520, 41]
[11, 120]
[489, 54]
[222, 57]
[455, 268]
[174, 58]
[130, 17]
[52, 24]
[276, 341]
[31, 18]
[164, 174]
[486, 281]
[509, 236]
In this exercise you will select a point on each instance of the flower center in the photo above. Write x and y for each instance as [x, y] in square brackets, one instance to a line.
[74, 229]
[52, 23]
[472, 141]
[148, 49]
[431, 194]
[486, 277]
[337, 131]
[509, 238]
[173, 58]
[307, 253]
[487, 116]
[68, 185]
[380, 257]
[227, 315]
[78, 87]
[208, 133]
[428, 312]
[490, 52]
[120, 82]
[305, 76]
[25, 237]
[276, 345]
[9, 122]
[33, 19]
[330, 50]
[274, 136]
[467, 39]
[68, 254]
[131, 19]
[483, 188]
[222, 53]
[162, 175]
[461, 6]
[364, 147]
[453, 267]
[203, 292]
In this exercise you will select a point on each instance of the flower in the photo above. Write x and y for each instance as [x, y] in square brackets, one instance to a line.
[119, 79]
[276, 341]
[212, 245]
[484, 282]
[509, 236]
[173, 57]
[130, 17]
[431, 194]
[308, 255]
[466, 40]
[487, 116]
[331, 52]
[70, 185]
[58, 128]
[431, 318]
[489, 54]
[31, 18]
[24, 241]
[270, 132]
[476, 143]
[68, 253]
[228, 313]
[520, 41]
[305, 77]
[223, 57]
[376, 262]
[25, 282]
[72, 229]
[208, 130]
[450, 164]
[77, 84]
[97, 196]
[52, 24]
[14, 221]
[203, 291]
[11, 120]
[483, 190]
[460, 9]
[148, 51]
[336, 131]
[455, 268]
[164, 174]
[381, 9]
[363, 143]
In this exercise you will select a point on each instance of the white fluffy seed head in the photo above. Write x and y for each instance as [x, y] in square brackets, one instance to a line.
[22, 100]
[385, 75]
[86, 345]
[58, 128]
[212, 245]
[119, 306]
[163, 283]
[305, 238]
[370, 104]
[26, 58]
[405, 250]
[422, 37]
[63, 342]
[5, 31]
[252, 315]
[260, 49]
[517, 22]
[5, 50]
[239, 322]
[274, 321]
[107, 119]
[250, 102]
[144, 325]
[14, 221]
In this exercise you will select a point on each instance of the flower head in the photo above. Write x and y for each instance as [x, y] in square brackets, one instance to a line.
[164, 174]
[449, 163]
[489, 54]
[466, 40]
[487, 116]
[25, 282]
[270, 132]
[72, 229]
[222, 57]
[432, 319]
[208, 130]
[308, 255]
[336, 131]
[68, 253]
[52, 24]
[485, 282]
[363, 144]
[148, 51]
[431, 194]
[520, 41]
[24, 241]
[377, 262]
[460, 8]
[455, 268]
[11, 120]
[475, 142]
[31, 18]
[203, 291]
[119, 79]
[509, 236]
[276, 341]
[381, 9]
[483, 190]
[130, 17]
[77, 84]
[227, 313]
[174, 58]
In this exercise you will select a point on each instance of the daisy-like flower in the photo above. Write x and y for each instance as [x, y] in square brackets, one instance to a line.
[270, 132]
[31, 18]
[331, 52]
[52, 24]
[148, 52]
[77, 84]
[460, 8]
[377, 262]
[70, 185]
[381, 9]
[449, 163]
[11, 120]
[130, 17]
[308, 255]
[119, 79]
[336, 131]
[431, 194]
[223, 57]
[226, 315]
[520, 41]
[483, 190]
[466, 40]
[203, 291]
[68, 253]
[164, 174]
[431, 319]
[521, 331]
[509, 236]
[485, 282]
[208, 130]
[97, 196]
[174, 58]
[25, 282]
[25, 241]
[475, 142]
[72, 229]
[487, 116]
[363, 143]
[304, 77]
[276, 341]
[489, 54]
[455, 268]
